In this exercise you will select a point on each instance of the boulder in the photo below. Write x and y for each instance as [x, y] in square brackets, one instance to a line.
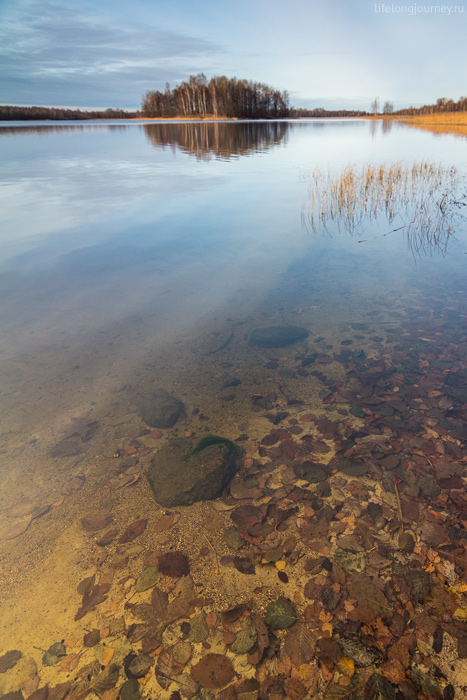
[277, 336]
[159, 409]
[183, 472]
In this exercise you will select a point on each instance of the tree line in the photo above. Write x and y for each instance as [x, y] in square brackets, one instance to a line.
[320, 112]
[218, 97]
[442, 104]
[11, 113]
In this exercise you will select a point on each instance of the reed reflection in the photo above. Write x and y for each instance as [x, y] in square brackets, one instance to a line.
[223, 141]
[424, 200]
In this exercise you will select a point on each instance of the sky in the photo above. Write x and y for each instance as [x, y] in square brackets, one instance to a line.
[325, 53]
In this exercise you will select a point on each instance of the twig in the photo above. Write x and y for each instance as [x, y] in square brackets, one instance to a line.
[215, 554]
[399, 510]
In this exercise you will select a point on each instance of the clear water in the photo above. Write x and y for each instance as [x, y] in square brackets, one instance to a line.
[129, 252]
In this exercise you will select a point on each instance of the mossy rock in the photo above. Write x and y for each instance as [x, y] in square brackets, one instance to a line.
[184, 472]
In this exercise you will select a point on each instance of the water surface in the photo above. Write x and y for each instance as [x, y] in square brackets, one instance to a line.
[129, 251]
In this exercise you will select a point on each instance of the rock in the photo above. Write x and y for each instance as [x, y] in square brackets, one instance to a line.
[159, 409]
[182, 472]
[277, 336]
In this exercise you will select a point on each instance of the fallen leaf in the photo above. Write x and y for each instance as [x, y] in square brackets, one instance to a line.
[300, 644]
[15, 530]
[246, 516]
[133, 531]
[107, 538]
[244, 566]
[378, 688]
[280, 615]
[9, 660]
[166, 522]
[72, 484]
[97, 522]
[213, 671]
[174, 564]
[69, 663]
[147, 579]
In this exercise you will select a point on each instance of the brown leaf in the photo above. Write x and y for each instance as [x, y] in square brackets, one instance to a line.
[300, 644]
[107, 538]
[262, 641]
[92, 598]
[166, 522]
[58, 692]
[133, 531]
[15, 530]
[86, 585]
[181, 605]
[233, 614]
[246, 516]
[72, 484]
[244, 566]
[367, 593]
[159, 603]
[213, 671]
[174, 564]
[70, 662]
[393, 671]
[97, 522]
[39, 694]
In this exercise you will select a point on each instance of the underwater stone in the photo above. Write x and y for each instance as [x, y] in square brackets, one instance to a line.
[159, 409]
[277, 336]
[182, 473]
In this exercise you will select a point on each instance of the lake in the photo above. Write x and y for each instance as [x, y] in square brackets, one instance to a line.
[140, 257]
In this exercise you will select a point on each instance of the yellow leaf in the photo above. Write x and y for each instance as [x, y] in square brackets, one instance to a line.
[107, 655]
[327, 627]
[303, 672]
[460, 614]
[346, 666]
[280, 565]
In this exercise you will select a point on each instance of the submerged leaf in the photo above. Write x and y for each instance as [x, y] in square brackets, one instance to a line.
[280, 615]
[133, 531]
[379, 688]
[174, 564]
[367, 593]
[244, 566]
[147, 579]
[213, 671]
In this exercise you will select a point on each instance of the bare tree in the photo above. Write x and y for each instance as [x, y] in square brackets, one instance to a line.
[375, 106]
[388, 108]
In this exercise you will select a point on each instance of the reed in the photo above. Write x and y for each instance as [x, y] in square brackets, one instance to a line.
[438, 118]
[424, 198]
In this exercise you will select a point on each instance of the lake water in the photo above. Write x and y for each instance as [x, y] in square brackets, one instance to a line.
[136, 257]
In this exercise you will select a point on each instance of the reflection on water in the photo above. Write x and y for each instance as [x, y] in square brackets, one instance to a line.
[137, 270]
[222, 140]
[425, 199]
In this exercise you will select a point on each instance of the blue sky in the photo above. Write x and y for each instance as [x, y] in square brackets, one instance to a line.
[333, 53]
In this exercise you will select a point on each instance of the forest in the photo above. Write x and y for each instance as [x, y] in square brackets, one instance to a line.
[442, 105]
[12, 113]
[218, 97]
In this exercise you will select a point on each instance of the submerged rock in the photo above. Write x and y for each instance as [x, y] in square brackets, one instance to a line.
[159, 409]
[182, 472]
[277, 336]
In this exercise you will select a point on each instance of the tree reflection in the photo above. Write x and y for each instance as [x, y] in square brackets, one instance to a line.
[220, 140]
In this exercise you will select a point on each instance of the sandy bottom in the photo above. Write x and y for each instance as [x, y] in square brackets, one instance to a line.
[42, 567]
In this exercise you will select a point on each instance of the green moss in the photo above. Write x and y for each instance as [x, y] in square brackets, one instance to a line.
[213, 440]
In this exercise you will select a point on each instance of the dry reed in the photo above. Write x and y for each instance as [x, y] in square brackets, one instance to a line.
[424, 196]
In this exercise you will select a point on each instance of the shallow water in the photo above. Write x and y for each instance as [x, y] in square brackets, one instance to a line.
[127, 251]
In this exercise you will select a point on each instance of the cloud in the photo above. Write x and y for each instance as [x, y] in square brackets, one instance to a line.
[52, 52]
